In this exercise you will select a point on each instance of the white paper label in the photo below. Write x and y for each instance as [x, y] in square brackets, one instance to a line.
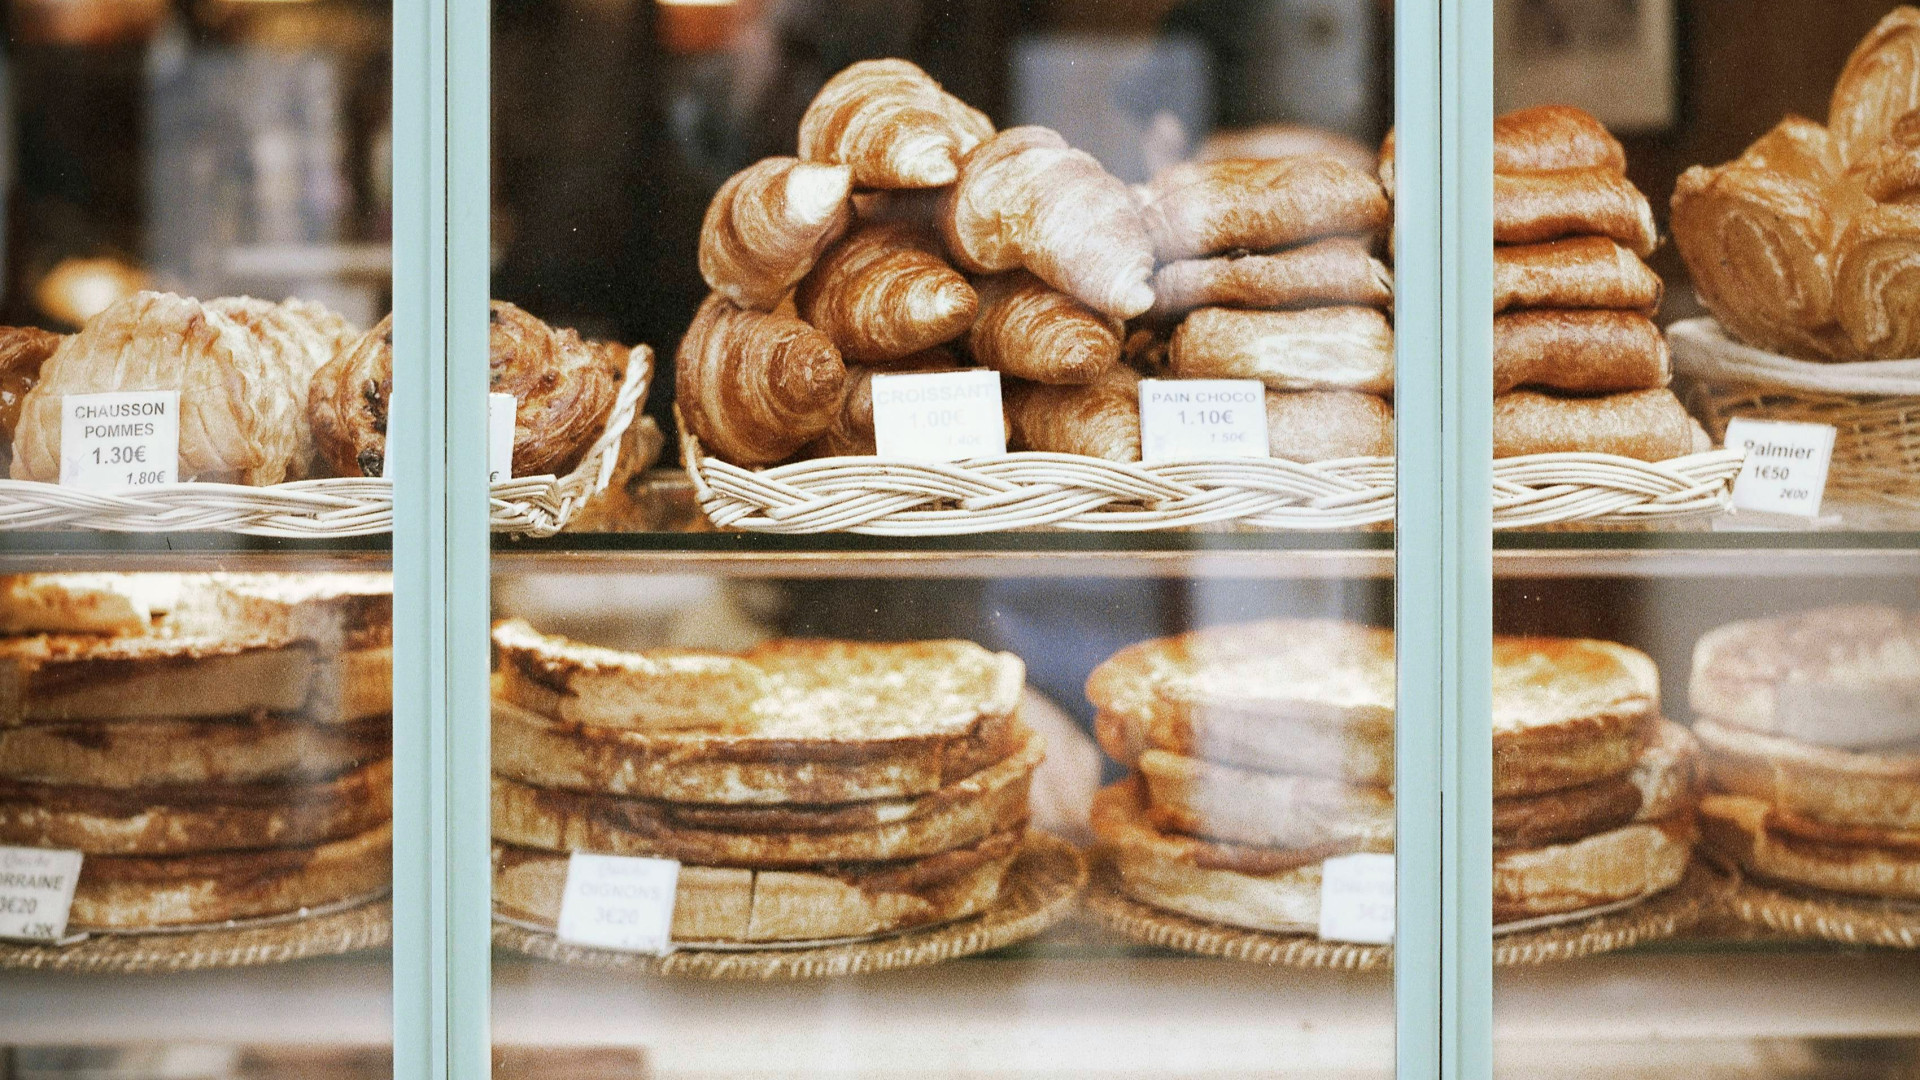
[1786, 466]
[387, 442]
[1202, 419]
[501, 409]
[619, 902]
[122, 439]
[938, 416]
[1356, 899]
[36, 891]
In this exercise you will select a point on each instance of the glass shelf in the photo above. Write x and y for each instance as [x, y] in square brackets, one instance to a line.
[24, 552]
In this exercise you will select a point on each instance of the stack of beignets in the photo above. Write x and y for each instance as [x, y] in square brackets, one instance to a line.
[1578, 364]
[1262, 749]
[812, 790]
[1811, 729]
[217, 746]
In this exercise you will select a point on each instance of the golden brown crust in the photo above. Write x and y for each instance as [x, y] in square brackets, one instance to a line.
[1550, 138]
[885, 293]
[766, 226]
[1257, 204]
[23, 350]
[1530, 208]
[195, 819]
[1330, 348]
[1748, 833]
[1879, 85]
[1027, 199]
[128, 893]
[852, 430]
[1650, 425]
[1029, 330]
[1876, 290]
[1625, 863]
[1337, 271]
[755, 387]
[1660, 785]
[138, 754]
[1577, 272]
[347, 404]
[1581, 352]
[1099, 420]
[1829, 786]
[958, 815]
[1323, 425]
[892, 124]
[563, 389]
[1121, 818]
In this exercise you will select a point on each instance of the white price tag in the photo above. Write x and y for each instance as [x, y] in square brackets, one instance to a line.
[122, 439]
[387, 442]
[938, 416]
[619, 902]
[1786, 467]
[1201, 419]
[501, 409]
[1356, 899]
[36, 892]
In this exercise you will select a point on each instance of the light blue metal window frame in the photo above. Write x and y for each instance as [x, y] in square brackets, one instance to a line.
[1444, 270]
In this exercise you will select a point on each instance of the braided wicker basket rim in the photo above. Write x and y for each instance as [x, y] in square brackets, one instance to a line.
[1663, 915]
[1029, 490]
[1040, 889]
[330, 508]
[368, 926]
[1850, 920]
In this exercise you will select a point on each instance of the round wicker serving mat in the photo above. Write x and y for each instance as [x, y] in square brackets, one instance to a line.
[368, 926]
[1854, 920]
[1662, 915]
[1150, 925]
[1039, 891]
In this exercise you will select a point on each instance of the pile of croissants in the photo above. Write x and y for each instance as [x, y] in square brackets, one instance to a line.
[909, 235]
[1808, 244]
[288, 391]
[1578, 364]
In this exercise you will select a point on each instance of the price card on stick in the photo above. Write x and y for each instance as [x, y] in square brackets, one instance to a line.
[619, 902]
[36, 892]
[1200, 419]
[121, 439]
[501, 414]
[938, 416]
[1356, 899]
[1786, 467]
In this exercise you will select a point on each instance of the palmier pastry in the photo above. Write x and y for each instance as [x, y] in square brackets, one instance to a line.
[1877, 281]
[1879, 85]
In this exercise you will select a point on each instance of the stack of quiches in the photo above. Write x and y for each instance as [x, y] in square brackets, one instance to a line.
[1578, 363]
[216, 746]
[812, 790]
[1260, 750]
[1811, 726]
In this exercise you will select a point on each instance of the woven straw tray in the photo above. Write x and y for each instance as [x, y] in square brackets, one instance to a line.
[353, 928]
[1851, 920]
[1874, 404]
[1029, 490]
[1662, 915]
[1039, 890]
[332, 508]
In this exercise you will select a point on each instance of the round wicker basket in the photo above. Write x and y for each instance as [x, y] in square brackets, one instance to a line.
[321, 509]
[1029, 490]
[1874, 404]
[352, 928]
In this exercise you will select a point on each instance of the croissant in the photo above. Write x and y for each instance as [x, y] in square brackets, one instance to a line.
[892, 124]
[1338, 270]
[1550, 138]
[1026, 199]
[1587, 352]
[302, 336]
[1579, 272]
[1879, 85]
[886, 292]
[1257, 204]
[237, 403]
[851, 433]
[1033, 332]
[23, 351]
[767, 225]
[755, 387]
[1649, 425]
[1877, 282]
[1531, 207]
[1756, 242]
[1332, 348]
[1100, 419]
[1324, 425]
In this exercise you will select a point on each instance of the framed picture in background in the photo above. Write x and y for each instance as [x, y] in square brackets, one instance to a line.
[1613, 58]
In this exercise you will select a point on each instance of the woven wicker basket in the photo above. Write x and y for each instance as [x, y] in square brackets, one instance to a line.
[1029, 490]
[320, 509]
[1875, 404]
